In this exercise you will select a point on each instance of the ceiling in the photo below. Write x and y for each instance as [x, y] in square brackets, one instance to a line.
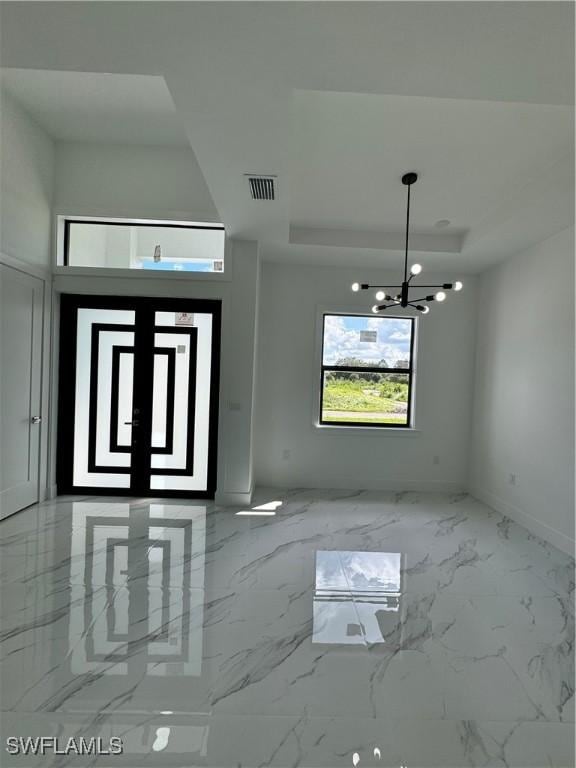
[337, 100]
[98, 107]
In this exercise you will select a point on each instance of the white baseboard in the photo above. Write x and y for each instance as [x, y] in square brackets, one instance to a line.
[396, 486]
[432, 486]
[234, 498]
[549, 534]
[47, 494]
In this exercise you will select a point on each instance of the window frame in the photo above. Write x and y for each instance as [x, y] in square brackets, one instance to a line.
[368, 369]
[68, 220]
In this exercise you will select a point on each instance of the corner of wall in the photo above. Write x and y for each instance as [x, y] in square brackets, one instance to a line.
[521, 362]
[239, 353]
[536, 527]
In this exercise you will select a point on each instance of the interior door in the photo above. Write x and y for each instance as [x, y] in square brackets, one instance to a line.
[21, 323]
[138, 396]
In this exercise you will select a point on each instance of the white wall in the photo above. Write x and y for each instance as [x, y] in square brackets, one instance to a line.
[349, 458]
[524, 390]
[239, 358]
[26, 181]
[130, 181]
[27, 165]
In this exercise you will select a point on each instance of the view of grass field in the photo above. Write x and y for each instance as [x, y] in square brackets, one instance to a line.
[369, 396]
[372, 399]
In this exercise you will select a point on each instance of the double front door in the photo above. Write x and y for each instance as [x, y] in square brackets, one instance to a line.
[138, 396]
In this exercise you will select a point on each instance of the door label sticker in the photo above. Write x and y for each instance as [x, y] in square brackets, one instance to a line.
[184, 318]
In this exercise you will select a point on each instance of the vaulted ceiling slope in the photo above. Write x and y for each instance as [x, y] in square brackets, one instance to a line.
[96, 107]
[338, 100]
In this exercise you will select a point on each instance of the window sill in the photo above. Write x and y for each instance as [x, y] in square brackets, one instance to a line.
[143, 274]
[339, 429]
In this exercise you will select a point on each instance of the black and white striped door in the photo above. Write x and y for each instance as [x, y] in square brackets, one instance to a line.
[138, 396]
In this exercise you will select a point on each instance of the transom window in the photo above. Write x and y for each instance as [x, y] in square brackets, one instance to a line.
[159, 246]
[367, 371]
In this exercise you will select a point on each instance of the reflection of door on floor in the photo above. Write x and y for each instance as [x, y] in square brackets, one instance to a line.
[138, 396]
[21, 310]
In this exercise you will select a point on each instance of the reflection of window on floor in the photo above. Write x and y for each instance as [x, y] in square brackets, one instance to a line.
[189, 741]
[357, 597]
[267, 509]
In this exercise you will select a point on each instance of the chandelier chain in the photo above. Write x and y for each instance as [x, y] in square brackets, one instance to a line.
[407, 232]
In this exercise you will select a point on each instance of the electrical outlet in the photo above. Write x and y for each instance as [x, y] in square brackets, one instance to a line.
[512, 479]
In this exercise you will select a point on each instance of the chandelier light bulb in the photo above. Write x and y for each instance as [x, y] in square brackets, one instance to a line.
[380, 296]
[355, 287]
[458, 285]
[375, 308]
[415, 269]
[425, 310]
[440, 296]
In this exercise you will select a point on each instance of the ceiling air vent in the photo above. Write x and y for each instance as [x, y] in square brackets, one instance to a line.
[262, 187]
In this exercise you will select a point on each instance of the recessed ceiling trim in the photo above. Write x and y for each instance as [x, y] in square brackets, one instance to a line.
[385, 241]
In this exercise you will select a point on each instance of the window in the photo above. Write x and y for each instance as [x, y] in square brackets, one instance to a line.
[160, 246]
[367, 371]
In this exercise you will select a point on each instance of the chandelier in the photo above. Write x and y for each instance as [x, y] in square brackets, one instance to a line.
[402, 299]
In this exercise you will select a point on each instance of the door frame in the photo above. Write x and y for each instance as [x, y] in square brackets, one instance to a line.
[69, 305]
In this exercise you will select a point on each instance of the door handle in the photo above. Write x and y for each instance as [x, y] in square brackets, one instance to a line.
[36, 419]
[134, 423]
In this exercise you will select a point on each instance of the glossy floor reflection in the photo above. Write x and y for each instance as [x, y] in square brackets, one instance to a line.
[333, 629]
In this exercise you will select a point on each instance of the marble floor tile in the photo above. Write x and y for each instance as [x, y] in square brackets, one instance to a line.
[175, 739]
[346, 628]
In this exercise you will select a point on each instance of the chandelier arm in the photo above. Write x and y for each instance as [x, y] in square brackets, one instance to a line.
[424, 298]
[444, 286]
